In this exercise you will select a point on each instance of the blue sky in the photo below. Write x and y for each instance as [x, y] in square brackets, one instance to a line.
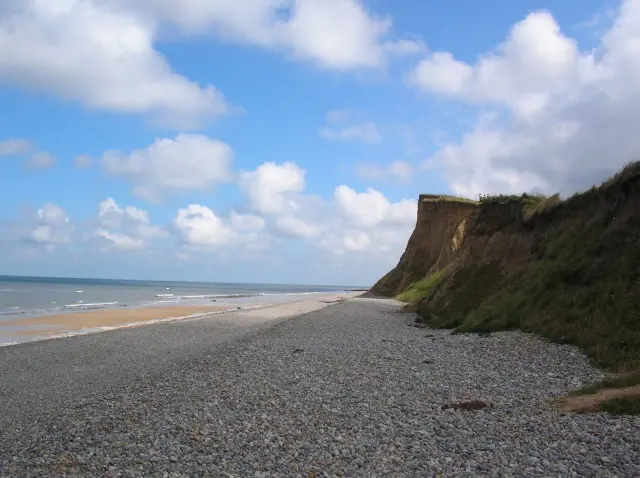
[287, 141]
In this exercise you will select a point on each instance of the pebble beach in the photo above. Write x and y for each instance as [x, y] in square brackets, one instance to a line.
[322, 387]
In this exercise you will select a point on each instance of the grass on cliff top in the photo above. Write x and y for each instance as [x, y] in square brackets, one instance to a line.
[446, 198]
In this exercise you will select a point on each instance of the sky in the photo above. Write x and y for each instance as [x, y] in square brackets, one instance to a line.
[286, 141]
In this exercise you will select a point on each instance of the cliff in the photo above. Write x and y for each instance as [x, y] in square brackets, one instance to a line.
[566, 269]
[440, 226]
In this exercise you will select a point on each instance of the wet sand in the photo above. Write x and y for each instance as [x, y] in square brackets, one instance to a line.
[63, 323]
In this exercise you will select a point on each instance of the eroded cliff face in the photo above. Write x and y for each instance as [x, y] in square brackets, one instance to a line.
[569, 270]
[439, 231]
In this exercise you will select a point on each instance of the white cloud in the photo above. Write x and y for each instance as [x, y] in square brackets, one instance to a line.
[368, 222]
[349, 222]
[272, 187]
[365, 132]
[365, 209]
[246, 222]
[125, 227]
[120, 240]
[337, 34]
[293, 226]
[51, 227]
[40, 160]
[571, 114]
[15, 147]
[400, 171]
[200, 227]
[100, 55]
[333, 34]
[188, 162]
[535, 62]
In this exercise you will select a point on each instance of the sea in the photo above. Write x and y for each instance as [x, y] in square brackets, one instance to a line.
[38, 296]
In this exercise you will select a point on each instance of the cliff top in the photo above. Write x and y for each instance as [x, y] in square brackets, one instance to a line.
[445, 198]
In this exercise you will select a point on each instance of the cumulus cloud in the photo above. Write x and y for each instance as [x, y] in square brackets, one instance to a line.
[272, 188]
[200, 227]
[565, 118]
[124, 228]
[48, 227]
[246, 222]
[119, 240]
[534, 62]
[371, 208]
[188, 162]
[348, 222]
[399, 171]
[333, 34]
[296, 227]
[100, 55]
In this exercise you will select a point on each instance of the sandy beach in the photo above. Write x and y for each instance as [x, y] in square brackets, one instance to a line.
[60, 323]
[91, 321]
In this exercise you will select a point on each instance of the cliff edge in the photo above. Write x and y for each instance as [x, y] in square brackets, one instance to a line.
[566, 269]
[440, 227]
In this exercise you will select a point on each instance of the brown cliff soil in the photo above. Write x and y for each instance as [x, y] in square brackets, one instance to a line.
[440, 226]
[566, 269]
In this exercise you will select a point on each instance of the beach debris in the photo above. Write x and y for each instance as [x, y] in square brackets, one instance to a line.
[427, 361]
[471, 405]
[429, 335]
[389, 340]
[298, 351]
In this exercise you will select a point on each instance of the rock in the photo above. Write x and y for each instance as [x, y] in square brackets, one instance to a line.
[471, 405]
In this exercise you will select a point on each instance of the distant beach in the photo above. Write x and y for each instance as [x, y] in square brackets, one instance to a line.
[34, 308]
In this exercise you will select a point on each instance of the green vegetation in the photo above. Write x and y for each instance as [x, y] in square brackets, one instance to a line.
[421, 288]
[622, 405]
[499, 198]
[582, 291]
[621, 381]
[446, 198]
[581, 285]
[472, 284]
[539, 204]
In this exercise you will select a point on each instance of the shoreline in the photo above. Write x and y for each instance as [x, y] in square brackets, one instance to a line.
[89, 321]
[58, 326]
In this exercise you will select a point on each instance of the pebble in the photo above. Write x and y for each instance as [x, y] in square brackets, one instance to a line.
[356, 402]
